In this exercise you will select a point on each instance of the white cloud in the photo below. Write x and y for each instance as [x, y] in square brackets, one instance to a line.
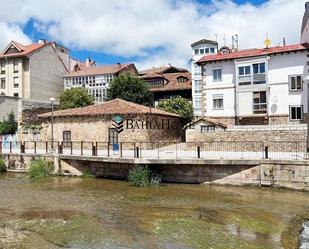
[137, 27]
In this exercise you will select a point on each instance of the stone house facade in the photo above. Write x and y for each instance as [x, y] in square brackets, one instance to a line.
[113, 121]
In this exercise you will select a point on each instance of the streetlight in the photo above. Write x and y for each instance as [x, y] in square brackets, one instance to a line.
[52, 101]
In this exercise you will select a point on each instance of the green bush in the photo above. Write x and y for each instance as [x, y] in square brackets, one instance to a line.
[141, 176]
[2, 166]
[87, 174]
[40, 168]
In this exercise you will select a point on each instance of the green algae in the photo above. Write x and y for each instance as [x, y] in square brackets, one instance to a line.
[200, 234]
[76, 231]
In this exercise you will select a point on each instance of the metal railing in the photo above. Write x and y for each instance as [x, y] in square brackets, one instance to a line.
[163, 150]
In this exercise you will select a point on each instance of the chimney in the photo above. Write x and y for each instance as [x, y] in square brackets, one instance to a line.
[88, 60]
[42, 41]
[118, 63]
[169, 64]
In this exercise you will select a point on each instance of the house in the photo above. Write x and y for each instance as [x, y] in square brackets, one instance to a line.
[96, 79]
[33, 71]
[113, 121]
[167, 82]
[254, 86]
[199, 49]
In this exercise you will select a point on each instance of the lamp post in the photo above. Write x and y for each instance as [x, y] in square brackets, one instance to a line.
[52, 101]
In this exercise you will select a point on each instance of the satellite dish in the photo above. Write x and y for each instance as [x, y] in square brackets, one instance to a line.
[273, 108]
[267, 43]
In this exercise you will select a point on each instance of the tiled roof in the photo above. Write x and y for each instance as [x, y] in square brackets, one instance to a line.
[208, 120]
[172, 83]
[254, 52]
[161, 70]
[97, 70]
[112, 107]
[170, 75]
[25, 50]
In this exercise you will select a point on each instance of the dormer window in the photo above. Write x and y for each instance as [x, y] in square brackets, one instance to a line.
[156, 82]
[182, 79]
[195, 51]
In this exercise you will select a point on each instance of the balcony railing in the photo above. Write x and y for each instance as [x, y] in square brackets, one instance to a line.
[255, 79]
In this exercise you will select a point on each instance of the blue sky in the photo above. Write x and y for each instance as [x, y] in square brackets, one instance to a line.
[149, 32]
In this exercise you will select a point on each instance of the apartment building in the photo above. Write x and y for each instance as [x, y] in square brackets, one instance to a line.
[200, 49]
[33, 71]
[167, 82]
[96, 79]
[256, 86]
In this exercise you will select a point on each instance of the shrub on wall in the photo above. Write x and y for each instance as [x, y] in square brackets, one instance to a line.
[40, 168]
[2, 166]
[142, 176]
[8, 125]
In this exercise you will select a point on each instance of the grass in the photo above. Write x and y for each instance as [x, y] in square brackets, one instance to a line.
[40, 168]
[142, 176]
[2, 166]
[87, 174]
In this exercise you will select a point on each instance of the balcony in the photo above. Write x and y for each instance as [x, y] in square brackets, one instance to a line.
[260, 108]
[254, 79]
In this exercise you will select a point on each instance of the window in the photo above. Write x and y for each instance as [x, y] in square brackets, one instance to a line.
[212, 50]
[259, 68]
[195, 51]
[2, 83]
[112, 136]
[244, 70]
[2, 67]
[217, 74]
[155, 82]
[198, 104]
[15, 94]
[244, 75]
[296, 113]
[206, 50]
[15, 64]
[197, 70]
[66, 135]
[201, 51]
[16, 82]
[296, 82]
[207, 128]
[198, 86]
[182, 79]
[259, 103]
[217, 101]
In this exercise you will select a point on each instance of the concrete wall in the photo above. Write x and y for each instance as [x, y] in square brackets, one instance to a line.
[8, 104]
[46, 74]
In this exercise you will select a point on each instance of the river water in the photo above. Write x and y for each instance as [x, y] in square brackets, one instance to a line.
[59, 212]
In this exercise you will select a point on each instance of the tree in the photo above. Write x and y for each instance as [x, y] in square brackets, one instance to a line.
[179, 106]
[9, 124]
[130, 88]
[75, 97]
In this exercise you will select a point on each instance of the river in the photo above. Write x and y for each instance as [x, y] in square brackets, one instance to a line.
[60, 212]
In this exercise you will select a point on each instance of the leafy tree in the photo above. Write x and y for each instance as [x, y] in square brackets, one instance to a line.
[9, 124]
[130, 88]
[179, 106]
[75, 97]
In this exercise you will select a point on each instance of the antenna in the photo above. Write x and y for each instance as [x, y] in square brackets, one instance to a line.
[284, 41]
[216, 35]
[224, 39]
[235, 41]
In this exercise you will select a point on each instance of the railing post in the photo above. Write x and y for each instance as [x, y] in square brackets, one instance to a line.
[71, 147]
[46, 146]
[21, 148]
[34, 147]
[96, 148]
[137, 152]
[81, 148]
[93, 149]
[120, 149]
[108, 149]
[1, 147]
[266, 151]
[10, 146]
[198, 152]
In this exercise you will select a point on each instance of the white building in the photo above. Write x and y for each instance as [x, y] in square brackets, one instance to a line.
[255, 86]
[96, 79]
[199, 50]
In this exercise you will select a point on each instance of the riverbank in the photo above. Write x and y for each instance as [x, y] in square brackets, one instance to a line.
[94, 213]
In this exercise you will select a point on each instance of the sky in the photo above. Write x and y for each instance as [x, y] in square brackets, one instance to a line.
[149, 33]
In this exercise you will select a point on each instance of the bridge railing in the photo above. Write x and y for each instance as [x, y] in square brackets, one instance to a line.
[164, 150]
